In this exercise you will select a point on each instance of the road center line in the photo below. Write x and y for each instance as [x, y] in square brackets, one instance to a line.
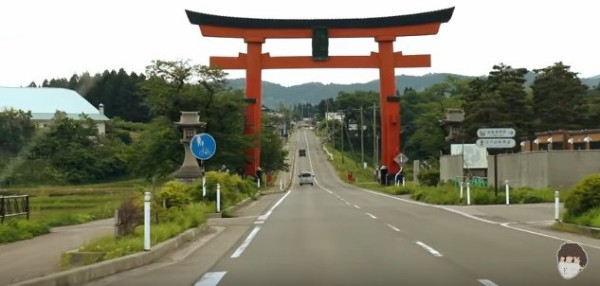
[393, 227]
[357, 207]
[210, 279]
[348, 203]
[430, 249]
[246, 242]
[487, 282]
[372, 216]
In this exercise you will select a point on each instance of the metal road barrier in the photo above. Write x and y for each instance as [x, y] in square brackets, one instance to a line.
[14, 206]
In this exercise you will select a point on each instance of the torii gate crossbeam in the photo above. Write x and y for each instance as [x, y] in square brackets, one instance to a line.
[384, 30]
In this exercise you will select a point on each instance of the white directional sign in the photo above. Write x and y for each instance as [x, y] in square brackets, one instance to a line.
[496, 142]
[496, 132]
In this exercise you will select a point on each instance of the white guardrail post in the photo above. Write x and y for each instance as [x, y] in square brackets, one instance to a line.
[556, 206]
[147, 198]
[507, 191]
[468, 193]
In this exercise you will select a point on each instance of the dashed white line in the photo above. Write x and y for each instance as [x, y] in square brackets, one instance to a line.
[357, 207]
[430, 249]
[348, 203]
[210, 279]
[246, 242]
[487, 282]
[393, 227]
[372, 216]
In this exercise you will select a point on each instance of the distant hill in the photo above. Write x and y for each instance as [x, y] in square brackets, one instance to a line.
[314, 92]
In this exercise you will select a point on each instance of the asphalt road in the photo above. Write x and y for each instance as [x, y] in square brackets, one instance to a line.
[336, 234]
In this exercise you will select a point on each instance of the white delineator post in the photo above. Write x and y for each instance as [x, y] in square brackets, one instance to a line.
[147, 221]
[468, 193]
[281, 184]
[507, 190]
[461, 189]
[258, 183]
[556, 205]
[218, 198]
[203, 187]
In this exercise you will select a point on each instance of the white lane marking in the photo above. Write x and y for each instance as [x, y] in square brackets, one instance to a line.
[357, 207]
[259, 222]
[347, 203]
[372, 216]
[210, 279]
[487, 282]
[266, 215]
[507, 225]
[393, 227]
[246, 242]
[430, 249]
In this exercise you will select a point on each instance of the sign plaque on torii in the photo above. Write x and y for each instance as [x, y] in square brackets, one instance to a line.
[384, 30]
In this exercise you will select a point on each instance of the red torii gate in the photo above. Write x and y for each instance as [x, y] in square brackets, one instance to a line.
[384, 30]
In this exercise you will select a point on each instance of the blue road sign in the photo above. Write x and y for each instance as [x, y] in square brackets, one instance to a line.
[203, 146]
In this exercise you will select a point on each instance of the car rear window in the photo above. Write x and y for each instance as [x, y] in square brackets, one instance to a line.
[306, 175]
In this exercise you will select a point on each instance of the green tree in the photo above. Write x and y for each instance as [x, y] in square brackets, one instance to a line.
[499, 100]
[558, 98]
[17, 129]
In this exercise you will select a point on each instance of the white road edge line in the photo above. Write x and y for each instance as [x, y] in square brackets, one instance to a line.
[246, 242]
[210, 279]
[430, 249]
[357, 207]
[266, 215]
[393, 227]
[487, 282]
[372, 216]
[349, 204]
[506, 224]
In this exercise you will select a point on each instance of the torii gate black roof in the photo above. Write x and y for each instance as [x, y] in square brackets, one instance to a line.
[438, 16]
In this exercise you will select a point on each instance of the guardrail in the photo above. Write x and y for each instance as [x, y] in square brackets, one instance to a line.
[14, 206]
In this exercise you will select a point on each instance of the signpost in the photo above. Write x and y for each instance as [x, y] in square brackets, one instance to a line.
[203, 146]
[496, 138]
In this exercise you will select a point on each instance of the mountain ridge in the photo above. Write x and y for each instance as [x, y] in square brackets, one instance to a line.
[314, 92]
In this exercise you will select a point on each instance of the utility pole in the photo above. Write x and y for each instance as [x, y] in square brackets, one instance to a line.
[375, 147]
[342, 134]
[362, 143]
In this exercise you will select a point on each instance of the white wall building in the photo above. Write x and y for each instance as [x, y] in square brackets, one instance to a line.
[44, 102]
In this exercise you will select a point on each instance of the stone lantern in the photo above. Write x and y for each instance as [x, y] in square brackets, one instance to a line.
[189, 123]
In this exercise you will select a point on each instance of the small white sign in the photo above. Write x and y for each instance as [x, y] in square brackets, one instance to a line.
[496, 143]
[496, 132]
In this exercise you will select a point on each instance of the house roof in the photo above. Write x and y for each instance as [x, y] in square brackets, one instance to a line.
[43, 102]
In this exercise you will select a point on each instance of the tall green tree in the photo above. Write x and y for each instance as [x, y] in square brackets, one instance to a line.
[558, 98]
[499, 101]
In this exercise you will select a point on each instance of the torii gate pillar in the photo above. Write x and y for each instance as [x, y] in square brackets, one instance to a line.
[253, 97]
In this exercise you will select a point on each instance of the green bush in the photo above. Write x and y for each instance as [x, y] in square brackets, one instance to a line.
[21, 229]
[176, 194]
[585, 196]
[429, 177]
[589, 218]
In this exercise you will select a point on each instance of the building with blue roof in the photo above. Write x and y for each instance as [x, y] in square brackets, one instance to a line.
[44, 102]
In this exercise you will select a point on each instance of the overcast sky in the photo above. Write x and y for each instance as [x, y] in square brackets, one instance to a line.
[41, 39]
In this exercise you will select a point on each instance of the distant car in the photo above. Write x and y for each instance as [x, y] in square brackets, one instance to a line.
[306, 178]
[302, 153]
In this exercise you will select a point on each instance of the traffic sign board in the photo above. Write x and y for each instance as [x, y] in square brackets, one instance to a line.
[496, 132]
[496, 142]
[203, 146]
